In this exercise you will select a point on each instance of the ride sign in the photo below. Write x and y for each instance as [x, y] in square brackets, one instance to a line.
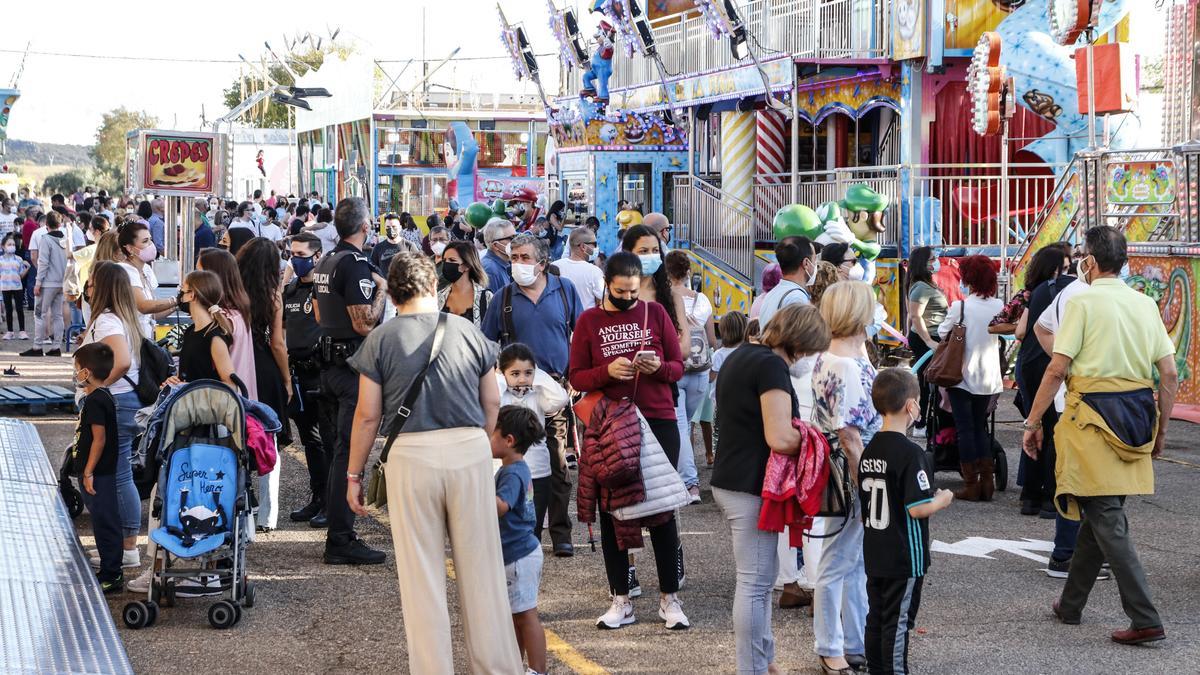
[177, 163]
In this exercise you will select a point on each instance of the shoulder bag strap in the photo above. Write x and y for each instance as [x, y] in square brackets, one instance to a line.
[508, 330]
[414, 389]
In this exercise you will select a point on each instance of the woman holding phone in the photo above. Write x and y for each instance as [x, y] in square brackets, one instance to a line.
[629, 349]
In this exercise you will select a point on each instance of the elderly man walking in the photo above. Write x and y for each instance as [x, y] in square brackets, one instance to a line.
[1111, 341]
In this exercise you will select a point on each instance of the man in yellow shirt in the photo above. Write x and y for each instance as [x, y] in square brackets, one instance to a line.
[1111, 341]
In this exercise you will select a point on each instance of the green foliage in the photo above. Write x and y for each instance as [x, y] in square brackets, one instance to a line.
[109, 151]
[268, 114]
[65, 182]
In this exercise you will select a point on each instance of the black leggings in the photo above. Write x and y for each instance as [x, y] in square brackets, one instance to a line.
[14, 300]
[664, 538]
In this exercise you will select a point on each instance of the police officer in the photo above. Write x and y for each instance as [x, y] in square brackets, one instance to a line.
[350, 296]
[314, 417]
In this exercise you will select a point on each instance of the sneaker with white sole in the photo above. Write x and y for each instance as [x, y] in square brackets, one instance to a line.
[141, 585]
[635, 586]
[128, 559]
[619, 614]
[670, 610]
[1059, 569]
[8, 335]
[205, 585]
[694, 495]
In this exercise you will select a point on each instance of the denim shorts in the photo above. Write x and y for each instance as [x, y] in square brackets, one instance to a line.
[523, 577]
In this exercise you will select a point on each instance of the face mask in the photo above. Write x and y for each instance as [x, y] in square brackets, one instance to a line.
[451, 272]
[1124, 274]
[10, 248]
[393, 232]
[183, 304]
[857, 273]
[594, 255]
[437, 247]
[937, 266]
[622, 304]
[520, 392]
[650, 263]
[1085, 271]
[147, 254]
[524, 274]
[77, 382]
[302, 266]
[964, 290]
[810, 277]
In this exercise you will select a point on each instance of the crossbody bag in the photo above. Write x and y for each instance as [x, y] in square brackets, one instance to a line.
[377, 488]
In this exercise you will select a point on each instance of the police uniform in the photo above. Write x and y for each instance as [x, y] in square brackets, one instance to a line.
[314, 416]
[342, 279]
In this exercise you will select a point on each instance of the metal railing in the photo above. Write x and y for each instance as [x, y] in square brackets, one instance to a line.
[814, 29]
[715, 223]
[771, 191]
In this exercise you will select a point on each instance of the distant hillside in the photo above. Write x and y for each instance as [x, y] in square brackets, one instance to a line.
[47, 154]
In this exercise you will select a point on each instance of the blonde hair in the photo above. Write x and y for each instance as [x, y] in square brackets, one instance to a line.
[825, 276]
[112, 292]
[848, 307]
[107, 248]
[798, 330]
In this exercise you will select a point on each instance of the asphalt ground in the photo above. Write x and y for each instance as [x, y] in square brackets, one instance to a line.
[978, 615]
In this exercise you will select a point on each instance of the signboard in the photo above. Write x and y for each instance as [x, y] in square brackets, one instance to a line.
[908, 29]
[178, 163]
[7, 98]
[712, 87]
[1145, 182]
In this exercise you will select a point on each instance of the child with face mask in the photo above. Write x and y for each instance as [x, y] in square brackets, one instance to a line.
[13, 270]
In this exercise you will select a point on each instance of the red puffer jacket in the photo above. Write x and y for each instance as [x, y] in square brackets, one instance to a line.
[612, 446]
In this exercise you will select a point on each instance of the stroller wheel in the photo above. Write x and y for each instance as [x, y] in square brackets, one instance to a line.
[248, 594]
[1001, 461]
[222, 614]
[73, 500]
[136, 615]
[237, 609]
[153, 613]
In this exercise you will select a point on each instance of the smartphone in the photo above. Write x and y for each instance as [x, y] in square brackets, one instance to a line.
[644, 355]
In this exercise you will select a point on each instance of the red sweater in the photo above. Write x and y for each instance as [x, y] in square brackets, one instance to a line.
[601, 337]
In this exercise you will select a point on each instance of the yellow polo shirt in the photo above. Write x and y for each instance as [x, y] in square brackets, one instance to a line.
[1111, 330]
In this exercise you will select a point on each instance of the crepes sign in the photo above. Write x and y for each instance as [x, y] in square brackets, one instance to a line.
[179, 163]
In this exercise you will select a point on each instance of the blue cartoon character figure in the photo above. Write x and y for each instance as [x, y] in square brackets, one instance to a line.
[595, 78]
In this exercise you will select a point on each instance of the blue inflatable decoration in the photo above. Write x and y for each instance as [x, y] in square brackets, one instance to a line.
[595, 78]
[461, 151]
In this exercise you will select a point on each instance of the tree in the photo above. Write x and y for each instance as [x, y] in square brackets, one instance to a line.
[65, 182]
[109, 151]
[268, 114]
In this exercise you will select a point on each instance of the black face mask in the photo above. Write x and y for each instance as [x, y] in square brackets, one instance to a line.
[183, 304]
[451, 272]
[622, 304]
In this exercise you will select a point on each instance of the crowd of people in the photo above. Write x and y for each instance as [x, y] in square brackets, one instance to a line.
[590, 376]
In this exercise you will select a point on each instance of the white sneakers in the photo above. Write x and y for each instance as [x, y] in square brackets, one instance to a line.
[670, 610]
[128, 559]
[141, 585]
[618, 615]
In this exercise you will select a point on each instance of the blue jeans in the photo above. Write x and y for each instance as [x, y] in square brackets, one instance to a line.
[757, 564]
[840, 595]
[1065, 533]
[693, 388]
[970, 420]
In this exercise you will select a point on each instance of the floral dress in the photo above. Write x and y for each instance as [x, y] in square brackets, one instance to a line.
[842, 395]
[1013, 310]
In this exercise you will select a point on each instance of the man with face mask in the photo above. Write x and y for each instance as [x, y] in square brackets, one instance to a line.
[439, 238]
[540, 311]
[349, 294]
[798, 265]
[384, 251]
[497, 234]
[205, 237]
[312, 413]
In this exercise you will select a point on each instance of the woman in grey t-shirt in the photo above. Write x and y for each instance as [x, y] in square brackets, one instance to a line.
[439, 471]
[926, 311]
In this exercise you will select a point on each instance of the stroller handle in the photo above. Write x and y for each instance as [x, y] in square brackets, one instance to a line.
[920, 363]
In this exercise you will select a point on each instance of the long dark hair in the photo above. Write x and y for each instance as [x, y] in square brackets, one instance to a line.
[918, 266]
[258, 263]
[224, 265]
[662, 283]
[1045, 265]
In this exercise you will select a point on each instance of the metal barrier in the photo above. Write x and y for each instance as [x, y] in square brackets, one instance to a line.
[53, 617]
[816, 29]
[714, 223]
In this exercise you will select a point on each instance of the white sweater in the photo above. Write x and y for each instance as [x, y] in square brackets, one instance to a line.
[546, 398]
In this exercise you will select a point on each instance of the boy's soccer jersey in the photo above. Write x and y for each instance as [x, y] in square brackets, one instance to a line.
[894, 473]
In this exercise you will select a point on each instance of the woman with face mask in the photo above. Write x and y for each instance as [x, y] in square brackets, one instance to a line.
[656, 286]
[628, 348]
[462, 283]
[755, 407]
[139, 251]
[926, 310]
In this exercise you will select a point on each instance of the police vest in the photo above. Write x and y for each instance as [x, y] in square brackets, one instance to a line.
[300, 322]
[335, 318]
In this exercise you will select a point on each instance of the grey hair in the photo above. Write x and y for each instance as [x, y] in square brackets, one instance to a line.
[491, 230]
[350, 215]
[577, 236]
[539, 245]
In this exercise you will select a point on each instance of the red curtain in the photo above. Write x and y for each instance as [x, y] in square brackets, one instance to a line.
[953, 141]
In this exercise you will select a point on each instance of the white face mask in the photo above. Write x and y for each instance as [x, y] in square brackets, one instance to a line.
[524, 274]
[857, 273]
[437, 247]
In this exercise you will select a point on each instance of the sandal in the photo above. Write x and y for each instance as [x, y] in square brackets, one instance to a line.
[827, 670]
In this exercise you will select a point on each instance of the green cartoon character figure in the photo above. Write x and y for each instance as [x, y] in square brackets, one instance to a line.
[856, 220]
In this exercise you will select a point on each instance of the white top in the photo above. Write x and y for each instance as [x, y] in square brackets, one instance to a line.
[784, 294]
[546, 398]
[269, 230]
[146, 283]
[801, 373]
[327, 234]
[108, 324]
[698, 310]
[7, 221]
[32, 244]
[1051, 319]
[981, 360]
[588, 279]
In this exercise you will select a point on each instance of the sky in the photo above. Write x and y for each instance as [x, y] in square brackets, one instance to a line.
[63, 98]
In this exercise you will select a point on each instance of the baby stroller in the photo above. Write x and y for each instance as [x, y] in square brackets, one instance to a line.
[204, 504]
[941, 440]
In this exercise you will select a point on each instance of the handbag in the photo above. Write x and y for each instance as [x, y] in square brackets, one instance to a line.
[659, 477]
[377, 488]
[837, 500]
[946, 366]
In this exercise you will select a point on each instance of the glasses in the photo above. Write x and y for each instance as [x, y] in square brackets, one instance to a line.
[508, 238]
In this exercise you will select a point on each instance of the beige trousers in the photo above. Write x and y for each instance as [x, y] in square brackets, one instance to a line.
[440, 484]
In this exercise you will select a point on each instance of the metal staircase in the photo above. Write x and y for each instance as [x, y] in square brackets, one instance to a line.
[719, 226]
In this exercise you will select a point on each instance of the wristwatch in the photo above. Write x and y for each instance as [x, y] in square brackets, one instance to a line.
[1026, 426]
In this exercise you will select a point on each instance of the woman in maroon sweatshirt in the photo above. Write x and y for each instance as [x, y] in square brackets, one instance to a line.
[604, 358]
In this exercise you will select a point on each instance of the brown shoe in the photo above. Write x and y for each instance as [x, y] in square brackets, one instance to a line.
[987, 478]
[1139, 636]
[970, 489]
[794, 596]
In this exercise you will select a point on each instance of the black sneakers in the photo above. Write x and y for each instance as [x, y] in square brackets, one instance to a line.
[113, 585]
[33, 351]
[1059, 569]
[353, 552]
[306, 513]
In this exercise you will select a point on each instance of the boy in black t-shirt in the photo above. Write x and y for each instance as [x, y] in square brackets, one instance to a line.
[96, 436]
[897, 498]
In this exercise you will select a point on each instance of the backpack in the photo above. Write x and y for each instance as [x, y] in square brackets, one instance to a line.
[699, 356]
[508, 331]
[155, 365]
